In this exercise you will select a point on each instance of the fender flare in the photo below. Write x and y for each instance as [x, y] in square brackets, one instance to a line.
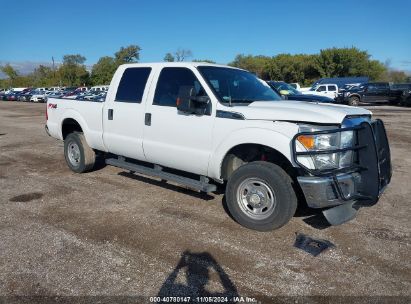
[260, 136]
[72, 114]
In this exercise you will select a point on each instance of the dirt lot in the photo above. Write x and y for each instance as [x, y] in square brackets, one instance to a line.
[110, 233]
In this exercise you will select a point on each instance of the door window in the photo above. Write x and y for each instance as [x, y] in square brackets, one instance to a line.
[332, 88]
[132, 85]
[321, 89]
[172, 82]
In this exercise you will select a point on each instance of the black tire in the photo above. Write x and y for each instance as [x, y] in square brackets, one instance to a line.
[354, 101]
[395, 102]
[79, 156]
[280, 184]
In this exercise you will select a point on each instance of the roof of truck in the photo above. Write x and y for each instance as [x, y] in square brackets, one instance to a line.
[177, 64]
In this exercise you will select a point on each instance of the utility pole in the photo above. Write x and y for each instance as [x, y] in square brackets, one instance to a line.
[54, 70]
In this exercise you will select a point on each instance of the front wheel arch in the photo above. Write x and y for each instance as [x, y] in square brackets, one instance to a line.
[244, 153]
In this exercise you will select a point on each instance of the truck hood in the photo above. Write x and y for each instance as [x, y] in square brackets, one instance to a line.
[291, 110]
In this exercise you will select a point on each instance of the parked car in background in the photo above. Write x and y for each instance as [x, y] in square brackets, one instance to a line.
[372, 92]
[17, 90]
[12, 96]
[342, 81]
[54, 89]
[38, 96]
[101, 88]
[56, 94]
[286, 91]
[296, 86]
[73, 92]
[328, 90]
[348, 86]
[405, 88]
[25, 95]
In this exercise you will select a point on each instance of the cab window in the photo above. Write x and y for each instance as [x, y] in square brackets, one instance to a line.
[173, 81]
[132, 85]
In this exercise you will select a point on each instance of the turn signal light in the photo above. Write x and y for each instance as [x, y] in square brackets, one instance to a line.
[307, 141]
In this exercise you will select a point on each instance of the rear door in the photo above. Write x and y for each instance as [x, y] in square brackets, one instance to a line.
[172, 138]
[332, 91]
[384, 92]
[371, 93]
[123, 114]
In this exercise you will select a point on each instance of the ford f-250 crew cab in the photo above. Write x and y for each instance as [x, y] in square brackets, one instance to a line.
[201, 125]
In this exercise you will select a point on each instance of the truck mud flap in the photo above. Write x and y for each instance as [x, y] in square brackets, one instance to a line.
[341, 214]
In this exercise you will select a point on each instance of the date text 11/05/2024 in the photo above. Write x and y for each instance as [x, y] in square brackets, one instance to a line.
[236, 299]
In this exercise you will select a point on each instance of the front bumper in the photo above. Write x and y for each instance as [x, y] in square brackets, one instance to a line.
[323, 192]
[344, 191]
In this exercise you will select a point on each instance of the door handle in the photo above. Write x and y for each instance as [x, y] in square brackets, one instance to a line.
[147, 119]
[110, 114]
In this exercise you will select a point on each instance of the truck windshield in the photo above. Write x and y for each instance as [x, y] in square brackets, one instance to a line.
[237, 86]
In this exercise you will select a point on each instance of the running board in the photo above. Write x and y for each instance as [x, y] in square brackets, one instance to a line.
[199, 185]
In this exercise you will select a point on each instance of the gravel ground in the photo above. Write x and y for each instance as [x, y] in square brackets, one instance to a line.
[109, 233]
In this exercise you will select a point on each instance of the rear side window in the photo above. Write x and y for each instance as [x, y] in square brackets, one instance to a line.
[382, 85]
[171, 82]
[132, 84]
[332, 88]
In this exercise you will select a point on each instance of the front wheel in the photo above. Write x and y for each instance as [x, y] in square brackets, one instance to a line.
[79, 156]
[354, 101]
[260, 196]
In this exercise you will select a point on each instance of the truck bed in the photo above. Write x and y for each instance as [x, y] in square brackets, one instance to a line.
[87, 113]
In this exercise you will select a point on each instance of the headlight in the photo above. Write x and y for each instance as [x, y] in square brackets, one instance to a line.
[324, 143]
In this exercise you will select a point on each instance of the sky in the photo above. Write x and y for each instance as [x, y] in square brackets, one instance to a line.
[36, 30]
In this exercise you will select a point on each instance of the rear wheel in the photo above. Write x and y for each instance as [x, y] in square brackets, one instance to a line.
[354, 101]
[260, 196]
[79, 156]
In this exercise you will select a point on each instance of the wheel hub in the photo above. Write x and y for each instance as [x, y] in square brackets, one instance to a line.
[73, 153]
[256, 198]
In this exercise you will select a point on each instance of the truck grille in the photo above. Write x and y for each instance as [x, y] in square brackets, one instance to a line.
[375, 159]
[383, 153]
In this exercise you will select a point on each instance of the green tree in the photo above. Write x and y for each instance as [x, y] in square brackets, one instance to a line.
[260, 65]
[42, 76]
[342, 62]
[169, 57]
[73, 71]
[103, 70]
[395, 76]
[10, 72]
[127, 54]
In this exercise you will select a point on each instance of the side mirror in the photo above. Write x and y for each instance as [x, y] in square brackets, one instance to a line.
[188, 101]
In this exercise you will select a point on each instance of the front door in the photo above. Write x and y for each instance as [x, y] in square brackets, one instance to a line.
[172, 138]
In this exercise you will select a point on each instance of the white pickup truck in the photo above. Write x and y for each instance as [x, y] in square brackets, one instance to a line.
[201, 125]
[329, 90]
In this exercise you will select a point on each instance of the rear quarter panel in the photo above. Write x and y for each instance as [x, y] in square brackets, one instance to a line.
[87, 114]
